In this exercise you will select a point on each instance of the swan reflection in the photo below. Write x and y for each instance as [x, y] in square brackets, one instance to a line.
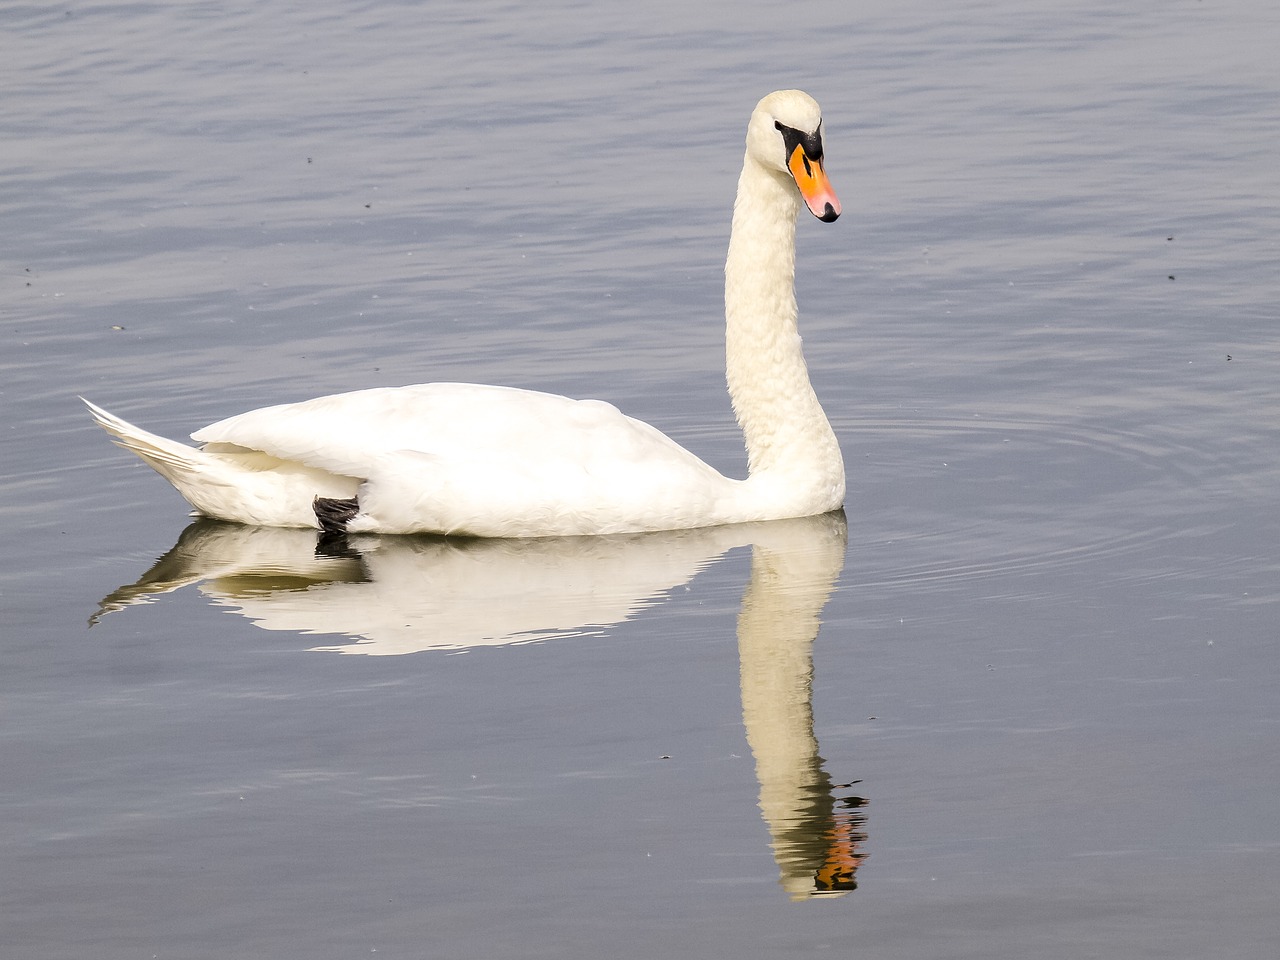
[816, 834]
[400, 595]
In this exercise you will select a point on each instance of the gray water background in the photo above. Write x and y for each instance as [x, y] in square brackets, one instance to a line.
[1045, 331]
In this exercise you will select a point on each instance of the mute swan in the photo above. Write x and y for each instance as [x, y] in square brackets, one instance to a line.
[466, 459]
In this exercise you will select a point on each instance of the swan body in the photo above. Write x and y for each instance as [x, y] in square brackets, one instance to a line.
[475, 460]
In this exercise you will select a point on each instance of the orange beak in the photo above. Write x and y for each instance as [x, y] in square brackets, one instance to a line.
[814, 185]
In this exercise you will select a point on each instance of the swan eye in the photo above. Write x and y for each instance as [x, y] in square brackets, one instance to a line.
[811, 143]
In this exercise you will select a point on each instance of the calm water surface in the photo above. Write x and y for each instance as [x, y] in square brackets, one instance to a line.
[1023, 703]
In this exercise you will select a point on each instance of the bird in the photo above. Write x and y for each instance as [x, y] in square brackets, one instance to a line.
[465, 459]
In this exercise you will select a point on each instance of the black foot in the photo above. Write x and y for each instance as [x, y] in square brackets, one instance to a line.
[334, 515]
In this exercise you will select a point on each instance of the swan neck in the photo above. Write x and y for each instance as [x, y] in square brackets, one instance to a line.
[785, 429]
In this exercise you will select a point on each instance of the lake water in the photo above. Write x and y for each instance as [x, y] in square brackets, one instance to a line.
[1022, 704]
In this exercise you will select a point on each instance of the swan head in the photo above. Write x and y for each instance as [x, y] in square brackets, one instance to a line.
[785, 136]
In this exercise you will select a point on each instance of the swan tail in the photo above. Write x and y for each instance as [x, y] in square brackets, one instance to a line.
[176, 462]
[229, 482]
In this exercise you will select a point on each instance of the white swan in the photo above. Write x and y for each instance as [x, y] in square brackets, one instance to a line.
[457, 458]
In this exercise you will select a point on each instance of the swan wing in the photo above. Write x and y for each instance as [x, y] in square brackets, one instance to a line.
[454, 422]
[484, 460]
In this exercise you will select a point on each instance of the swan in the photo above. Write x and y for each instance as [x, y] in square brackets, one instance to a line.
[488, 461]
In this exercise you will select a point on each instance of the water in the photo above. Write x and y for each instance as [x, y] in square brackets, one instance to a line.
[1038, 717]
